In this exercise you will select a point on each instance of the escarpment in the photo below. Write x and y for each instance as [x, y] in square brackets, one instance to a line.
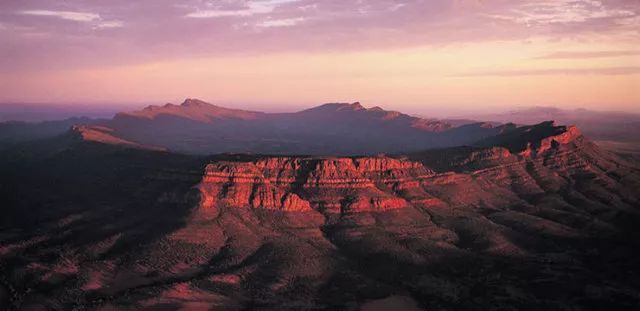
[518, 167]
[301, 184]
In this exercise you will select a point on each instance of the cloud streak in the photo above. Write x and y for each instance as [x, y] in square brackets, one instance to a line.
[608, 71]
[538, 13]
[285, 22]
[84, 17]
[109, 24]
[588, 54]
[251, 8]
[121, 32]
[67, 15]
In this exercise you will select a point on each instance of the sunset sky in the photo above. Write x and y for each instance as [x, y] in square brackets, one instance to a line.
[281, 55]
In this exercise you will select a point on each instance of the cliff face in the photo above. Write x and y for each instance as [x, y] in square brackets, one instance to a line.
[512, 172]
[299, 184]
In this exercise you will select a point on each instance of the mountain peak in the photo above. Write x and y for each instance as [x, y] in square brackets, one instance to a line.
[194, 102]
[192, 109]
[333, 107]
[356, 106]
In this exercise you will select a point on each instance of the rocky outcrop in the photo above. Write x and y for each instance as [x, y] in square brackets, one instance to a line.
[553, 159]
[299, 184]
[533, 140]
[568, 135]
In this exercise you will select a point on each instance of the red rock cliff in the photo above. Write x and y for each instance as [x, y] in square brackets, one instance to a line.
[299, 184]
[523, 165]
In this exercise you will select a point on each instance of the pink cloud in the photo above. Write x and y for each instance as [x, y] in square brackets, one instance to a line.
[588, 54]
[78, 33]
[609, 71]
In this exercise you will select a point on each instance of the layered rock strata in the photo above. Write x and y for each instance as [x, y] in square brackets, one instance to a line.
[300, 184]
[511, 172]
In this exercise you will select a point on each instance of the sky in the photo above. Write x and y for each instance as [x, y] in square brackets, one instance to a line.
[423, 56]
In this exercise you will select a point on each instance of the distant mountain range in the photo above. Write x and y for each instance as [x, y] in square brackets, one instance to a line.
[197, 127]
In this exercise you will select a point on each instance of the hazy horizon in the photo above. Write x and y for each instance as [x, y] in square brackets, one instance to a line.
[34, 111]
[283, 55]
